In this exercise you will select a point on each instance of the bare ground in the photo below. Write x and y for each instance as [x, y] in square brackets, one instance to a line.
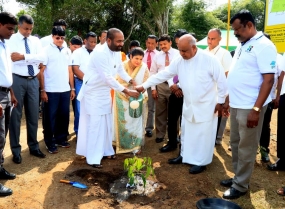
[37, 184]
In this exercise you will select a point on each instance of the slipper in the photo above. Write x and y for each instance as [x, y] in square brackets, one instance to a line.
[96, 165]
[281, 191]
[110, 157]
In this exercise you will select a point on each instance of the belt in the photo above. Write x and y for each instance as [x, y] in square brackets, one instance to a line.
[26, 77]
[4, 89]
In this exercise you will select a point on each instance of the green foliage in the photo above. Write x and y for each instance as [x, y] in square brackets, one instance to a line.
[138, 166]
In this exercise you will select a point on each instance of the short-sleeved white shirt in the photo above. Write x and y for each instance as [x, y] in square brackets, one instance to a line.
[6, 79]
[252, 59]
[223, 55]
[81, 58]
[56, 74]
[48, 40]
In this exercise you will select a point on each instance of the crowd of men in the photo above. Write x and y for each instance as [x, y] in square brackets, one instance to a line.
[194, 89]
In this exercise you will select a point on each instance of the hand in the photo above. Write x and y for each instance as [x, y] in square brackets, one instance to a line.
[219, 108]
[44, 96]
[72, 94]
[276, 102]
[15, 56]
[1, 110]
[252, 119]
[139, 88]
[226, 109]
[174, 88]
[178, 93]
[154, 94]
[14, 101]
[133, 93]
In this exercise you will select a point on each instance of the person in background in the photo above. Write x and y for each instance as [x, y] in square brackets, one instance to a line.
[102, 39]
[75, 43]
[133, 44]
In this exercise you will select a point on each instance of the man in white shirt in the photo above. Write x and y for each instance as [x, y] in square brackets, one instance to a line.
[161, 92]
[95, 132]
[151, 44]
[26, 56]
[199, 118]
[57, 88]
[250, 80]
[80, 61]
[7, 26]
[48, 39]
[102, 39]
[225, 57]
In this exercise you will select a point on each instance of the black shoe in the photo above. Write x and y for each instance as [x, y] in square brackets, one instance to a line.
[177, 160]
[168, 148]
[6, 175]
[227, 182]
[148, 133]
[38, 153]
[233, 193]
[197, 169]
[158, 140]
[17, 159]
[4, 191]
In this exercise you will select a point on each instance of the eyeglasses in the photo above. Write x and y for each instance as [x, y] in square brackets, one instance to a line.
[60, 37]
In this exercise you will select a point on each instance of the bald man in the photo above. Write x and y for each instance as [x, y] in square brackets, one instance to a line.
[96, 122]
[204, 89]
[225, 58]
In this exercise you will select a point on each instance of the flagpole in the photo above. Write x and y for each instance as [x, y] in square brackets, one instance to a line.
[228, 30]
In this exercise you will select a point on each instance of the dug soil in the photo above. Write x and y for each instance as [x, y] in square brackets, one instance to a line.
[37, 184]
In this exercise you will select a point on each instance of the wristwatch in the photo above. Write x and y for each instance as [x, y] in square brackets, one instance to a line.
[131, 81]
[257, 109]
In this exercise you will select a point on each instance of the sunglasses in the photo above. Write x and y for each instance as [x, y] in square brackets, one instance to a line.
[60, 37]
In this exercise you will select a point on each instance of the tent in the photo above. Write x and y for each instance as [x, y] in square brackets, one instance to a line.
[233, 42]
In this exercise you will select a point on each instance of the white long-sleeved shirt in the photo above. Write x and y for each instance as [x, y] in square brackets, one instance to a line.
[17, 44]
[6, 79]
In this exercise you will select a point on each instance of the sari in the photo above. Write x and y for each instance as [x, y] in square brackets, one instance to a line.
[129, 131]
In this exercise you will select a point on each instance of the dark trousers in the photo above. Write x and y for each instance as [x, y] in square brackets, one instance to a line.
[265, 133]
[4, 122]
[175, 105]
[56, 117]
[281, 129]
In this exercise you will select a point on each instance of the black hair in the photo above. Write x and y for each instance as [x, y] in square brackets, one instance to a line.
[179, 33]
[164, 37]
[244, 16]
[137, 51]
[76, 40]
[27, 19]
[60, 22]
[134, 43]
[7, 18]
[90, 34]
[153, 37]
[58, 30]
[111, 33]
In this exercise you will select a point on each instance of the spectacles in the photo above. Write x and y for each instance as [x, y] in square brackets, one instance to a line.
[60, 37]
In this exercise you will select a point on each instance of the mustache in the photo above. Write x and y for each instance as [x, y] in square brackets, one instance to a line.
[237, 36]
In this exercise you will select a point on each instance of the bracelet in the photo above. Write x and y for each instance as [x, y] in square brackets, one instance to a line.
[42, 90]
[72, 89]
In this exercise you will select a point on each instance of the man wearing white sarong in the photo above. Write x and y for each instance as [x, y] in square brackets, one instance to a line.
[204, 89]
[95, 124]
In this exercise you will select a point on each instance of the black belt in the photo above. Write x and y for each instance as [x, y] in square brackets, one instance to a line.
[4, 89]
[26, 77]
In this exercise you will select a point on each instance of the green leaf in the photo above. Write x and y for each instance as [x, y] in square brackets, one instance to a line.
[144, 180]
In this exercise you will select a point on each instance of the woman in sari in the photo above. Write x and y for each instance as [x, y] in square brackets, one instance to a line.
[128, 128]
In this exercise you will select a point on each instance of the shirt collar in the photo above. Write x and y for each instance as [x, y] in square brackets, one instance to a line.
[169, 51]
[215, 49]
[53, 45]
[20, 36]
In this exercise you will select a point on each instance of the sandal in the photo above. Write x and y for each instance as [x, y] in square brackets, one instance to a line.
[110, 157]
[96, 165]
[281, 191]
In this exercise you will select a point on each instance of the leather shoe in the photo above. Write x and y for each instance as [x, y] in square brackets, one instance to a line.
[4, 191]
[148, 133]
[17, 159]
[158, 140]
[177, 160]
[197, 169]
[168, 148]
[38, 153]
[276, 167]
[6, 175]
[227, 182]
[233, 193]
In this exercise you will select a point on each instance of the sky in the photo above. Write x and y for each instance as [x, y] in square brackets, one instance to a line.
[14, 7]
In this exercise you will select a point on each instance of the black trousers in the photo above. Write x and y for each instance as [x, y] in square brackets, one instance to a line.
[281, 129]
[265, 133]
[175, 105]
